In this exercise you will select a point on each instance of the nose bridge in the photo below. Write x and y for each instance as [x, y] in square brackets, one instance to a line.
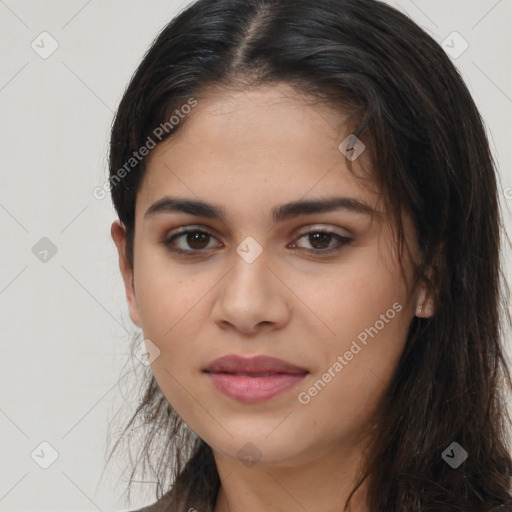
[251, 294]
[250, 270]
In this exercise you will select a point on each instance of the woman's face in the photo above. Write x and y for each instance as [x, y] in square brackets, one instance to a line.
[270, 269]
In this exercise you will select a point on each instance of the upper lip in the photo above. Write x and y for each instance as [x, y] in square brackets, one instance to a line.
[258, 364]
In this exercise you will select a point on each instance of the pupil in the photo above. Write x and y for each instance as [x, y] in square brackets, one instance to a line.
[194, 239]
[321, 237]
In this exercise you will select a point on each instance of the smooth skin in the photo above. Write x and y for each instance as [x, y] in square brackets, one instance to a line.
[248, 152]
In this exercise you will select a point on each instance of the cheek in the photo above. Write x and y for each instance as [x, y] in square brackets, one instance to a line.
[165, 292]
[349, 298]
[170, 308]
[174, 302]
[355, 364]
[363, 311]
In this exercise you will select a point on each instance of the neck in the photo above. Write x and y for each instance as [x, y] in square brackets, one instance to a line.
[315, 485]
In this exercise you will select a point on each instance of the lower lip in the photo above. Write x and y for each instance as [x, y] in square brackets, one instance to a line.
[254, 389]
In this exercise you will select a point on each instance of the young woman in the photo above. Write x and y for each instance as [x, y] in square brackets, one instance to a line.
[309, 238]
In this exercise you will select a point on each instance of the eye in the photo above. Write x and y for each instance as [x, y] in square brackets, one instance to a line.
[194, 241]
[322, 241]
[190, 241]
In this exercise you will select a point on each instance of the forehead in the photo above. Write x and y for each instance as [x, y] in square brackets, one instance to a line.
[256, 145]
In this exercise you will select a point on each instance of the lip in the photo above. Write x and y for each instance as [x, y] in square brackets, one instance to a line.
[254, 379]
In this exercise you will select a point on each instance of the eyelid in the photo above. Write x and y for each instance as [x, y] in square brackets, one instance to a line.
[325, 228]
[342, 241]
[212, 232]
[311, 229]
[185, 230]
[190, 228]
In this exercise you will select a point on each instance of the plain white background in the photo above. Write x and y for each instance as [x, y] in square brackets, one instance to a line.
[64, 321]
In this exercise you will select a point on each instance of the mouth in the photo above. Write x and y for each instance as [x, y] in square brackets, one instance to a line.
[254, 374]
[255, 379]
[235, 364]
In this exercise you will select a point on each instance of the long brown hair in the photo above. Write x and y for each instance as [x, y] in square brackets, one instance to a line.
[431, 157]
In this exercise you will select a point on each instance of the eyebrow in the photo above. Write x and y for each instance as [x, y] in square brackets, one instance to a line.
[280, 213]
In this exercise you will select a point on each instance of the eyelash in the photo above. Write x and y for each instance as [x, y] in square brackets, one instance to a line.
[342, 241]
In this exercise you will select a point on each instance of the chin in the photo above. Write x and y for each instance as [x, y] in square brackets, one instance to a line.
[258, 449]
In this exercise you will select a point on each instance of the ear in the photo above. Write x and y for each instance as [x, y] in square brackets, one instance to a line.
[425, 298]
[118, 233]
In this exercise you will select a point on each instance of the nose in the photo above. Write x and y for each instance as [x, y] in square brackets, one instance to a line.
[251, 298]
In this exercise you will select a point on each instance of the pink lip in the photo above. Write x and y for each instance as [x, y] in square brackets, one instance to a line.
[253, 379]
